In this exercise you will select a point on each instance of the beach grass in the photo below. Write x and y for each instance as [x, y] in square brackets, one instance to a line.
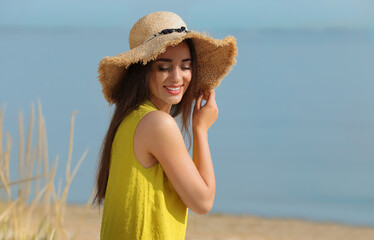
[30, 205]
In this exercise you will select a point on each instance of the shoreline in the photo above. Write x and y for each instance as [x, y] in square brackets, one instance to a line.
[229, 226]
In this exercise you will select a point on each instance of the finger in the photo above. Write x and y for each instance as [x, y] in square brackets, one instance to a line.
[198, 102]
[212, 98]
[206, 96]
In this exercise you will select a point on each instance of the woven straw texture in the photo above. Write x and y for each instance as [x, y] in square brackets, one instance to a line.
[215, 57]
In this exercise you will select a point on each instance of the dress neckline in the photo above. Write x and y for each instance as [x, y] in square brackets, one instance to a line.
[150, 103]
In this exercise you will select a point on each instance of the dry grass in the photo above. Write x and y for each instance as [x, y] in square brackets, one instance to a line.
[38, 212]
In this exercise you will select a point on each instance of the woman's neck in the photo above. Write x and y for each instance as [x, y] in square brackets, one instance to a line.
[162, 106]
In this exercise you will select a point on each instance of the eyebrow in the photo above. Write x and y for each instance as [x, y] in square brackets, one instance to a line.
[169, 60]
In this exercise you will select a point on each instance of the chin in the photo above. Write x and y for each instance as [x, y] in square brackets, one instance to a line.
[175, 100]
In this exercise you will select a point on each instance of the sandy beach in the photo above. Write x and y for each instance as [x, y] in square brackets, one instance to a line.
[232, 227]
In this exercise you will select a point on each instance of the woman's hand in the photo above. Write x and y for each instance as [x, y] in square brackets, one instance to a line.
[205, 116]
[159, 136]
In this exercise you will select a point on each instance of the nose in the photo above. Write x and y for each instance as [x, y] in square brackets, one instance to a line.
[176, 75]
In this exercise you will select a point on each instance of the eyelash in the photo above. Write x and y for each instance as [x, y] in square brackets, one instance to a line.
[163, 69]
[167, 69]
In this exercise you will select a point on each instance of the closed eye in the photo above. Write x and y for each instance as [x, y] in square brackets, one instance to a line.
[186, 67]
[163, 69]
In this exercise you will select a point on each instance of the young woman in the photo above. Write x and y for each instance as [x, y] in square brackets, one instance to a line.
[145, 174]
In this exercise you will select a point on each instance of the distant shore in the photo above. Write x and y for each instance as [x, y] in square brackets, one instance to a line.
[233, 227]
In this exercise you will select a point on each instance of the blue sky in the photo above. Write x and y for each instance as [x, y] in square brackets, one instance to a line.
[316, 14]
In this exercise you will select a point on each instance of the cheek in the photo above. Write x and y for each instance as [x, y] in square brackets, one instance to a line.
[187, 79]
[153, 85]
[155, 81]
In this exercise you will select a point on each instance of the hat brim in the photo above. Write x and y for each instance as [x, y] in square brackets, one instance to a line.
[215, 59]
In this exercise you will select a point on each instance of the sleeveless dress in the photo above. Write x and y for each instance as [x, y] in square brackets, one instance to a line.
[140, 203]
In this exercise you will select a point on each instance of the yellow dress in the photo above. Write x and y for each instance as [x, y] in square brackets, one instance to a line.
[140, 203]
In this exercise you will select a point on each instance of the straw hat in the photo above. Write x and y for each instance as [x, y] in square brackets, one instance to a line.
[151, 35]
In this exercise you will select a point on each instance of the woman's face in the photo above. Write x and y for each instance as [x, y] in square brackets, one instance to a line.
[171, 75]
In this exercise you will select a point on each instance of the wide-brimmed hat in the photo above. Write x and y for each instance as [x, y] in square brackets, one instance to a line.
[151, 35]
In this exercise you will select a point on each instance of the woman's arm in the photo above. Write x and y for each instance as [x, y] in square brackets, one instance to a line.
[203, 118]
[194, 180]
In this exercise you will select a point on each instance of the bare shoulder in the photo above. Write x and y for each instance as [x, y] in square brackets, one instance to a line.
[156, 132]
[157, 122]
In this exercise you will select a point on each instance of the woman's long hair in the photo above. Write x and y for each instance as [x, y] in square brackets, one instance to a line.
[132, 91]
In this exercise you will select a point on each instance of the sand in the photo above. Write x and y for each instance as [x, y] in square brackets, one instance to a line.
[233, 227]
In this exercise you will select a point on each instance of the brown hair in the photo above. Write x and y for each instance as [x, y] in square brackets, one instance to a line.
[132, 91]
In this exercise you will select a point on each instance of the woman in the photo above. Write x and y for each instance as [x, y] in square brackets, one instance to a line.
[145, 173]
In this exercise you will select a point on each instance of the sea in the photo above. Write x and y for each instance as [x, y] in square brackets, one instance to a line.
[295, 132]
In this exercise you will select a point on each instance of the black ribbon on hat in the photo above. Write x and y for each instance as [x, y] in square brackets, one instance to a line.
[168, 31]
[171, 30]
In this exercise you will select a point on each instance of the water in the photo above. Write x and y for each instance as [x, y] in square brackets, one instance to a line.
[295, 133]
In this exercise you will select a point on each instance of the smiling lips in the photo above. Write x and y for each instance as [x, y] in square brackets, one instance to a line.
[174, 89]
